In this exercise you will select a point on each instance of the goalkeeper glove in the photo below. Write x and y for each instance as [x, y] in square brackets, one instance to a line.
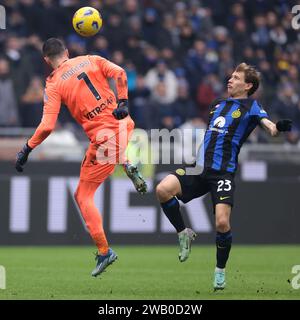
[284, 125]
[22, 157]
[121, 111]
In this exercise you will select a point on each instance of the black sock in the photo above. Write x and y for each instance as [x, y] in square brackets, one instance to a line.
[223, 243]
[171, 210]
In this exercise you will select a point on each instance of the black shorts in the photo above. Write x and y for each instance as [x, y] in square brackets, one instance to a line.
[220, 184]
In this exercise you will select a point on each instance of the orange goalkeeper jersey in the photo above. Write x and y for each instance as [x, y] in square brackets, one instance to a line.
[82, 85]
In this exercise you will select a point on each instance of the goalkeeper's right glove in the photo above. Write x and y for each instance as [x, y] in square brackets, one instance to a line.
[284, 125]
[22, 157]
[121, 111]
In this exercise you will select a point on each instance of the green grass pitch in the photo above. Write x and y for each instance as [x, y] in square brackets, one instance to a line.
[148, 272]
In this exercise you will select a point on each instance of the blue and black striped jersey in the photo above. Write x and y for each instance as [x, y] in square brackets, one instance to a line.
[230, 123]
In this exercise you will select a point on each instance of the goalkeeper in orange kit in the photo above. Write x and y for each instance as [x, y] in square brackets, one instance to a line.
[81, 83]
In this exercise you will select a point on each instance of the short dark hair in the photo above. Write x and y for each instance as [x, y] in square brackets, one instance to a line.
[53, 48]
[251, 76]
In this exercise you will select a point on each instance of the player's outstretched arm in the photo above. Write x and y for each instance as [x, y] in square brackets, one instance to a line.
[42, 132]
[52, 103]
[274, 129]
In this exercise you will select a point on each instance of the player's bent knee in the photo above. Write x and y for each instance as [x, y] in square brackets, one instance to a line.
[162, 193]
[168, 188]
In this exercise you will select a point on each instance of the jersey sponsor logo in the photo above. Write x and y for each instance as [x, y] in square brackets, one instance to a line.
[180, 172]
[96, 111]
[236, 114]
[218, 130]
[220, 122]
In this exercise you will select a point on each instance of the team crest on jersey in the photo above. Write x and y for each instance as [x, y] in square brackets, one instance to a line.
[236, 114]
[180, 172]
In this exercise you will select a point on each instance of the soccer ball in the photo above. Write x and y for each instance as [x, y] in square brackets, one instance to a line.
[87, 21]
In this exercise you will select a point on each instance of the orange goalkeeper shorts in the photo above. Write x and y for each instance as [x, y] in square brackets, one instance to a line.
[102, 156]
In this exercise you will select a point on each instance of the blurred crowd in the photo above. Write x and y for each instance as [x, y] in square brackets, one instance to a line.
[178, 56]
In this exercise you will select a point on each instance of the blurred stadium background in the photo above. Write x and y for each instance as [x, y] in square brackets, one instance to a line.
[178, 56]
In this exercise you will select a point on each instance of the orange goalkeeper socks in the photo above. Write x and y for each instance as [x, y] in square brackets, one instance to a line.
[84, 196]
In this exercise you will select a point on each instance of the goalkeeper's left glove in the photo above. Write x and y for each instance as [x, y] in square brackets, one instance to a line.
[22, 157]
[284, 125]
[121, 111]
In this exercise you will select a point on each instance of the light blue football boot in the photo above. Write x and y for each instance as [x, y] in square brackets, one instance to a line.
[185, 238]
[104, 261]
[135, 176]
[219, 280]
